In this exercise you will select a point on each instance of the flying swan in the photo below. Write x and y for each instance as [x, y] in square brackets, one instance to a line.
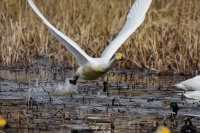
[92, 68]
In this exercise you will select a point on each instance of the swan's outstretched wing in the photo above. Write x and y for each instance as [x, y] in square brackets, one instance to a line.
[135, 18]
[79, 54]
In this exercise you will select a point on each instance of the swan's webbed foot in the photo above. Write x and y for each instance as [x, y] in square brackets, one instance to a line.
[74, 80]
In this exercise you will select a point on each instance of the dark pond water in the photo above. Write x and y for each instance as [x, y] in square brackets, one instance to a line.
[131, 102]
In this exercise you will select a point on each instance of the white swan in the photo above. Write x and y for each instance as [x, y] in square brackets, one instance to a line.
[190, 84]
[92, 68]
[192, 87]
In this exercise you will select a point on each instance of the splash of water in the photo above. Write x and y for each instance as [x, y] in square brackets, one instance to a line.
[35, 92]
[65, 89]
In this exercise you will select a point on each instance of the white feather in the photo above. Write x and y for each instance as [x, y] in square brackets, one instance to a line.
[135, 18]
[190, 84]
[192, 87]
[79, 54]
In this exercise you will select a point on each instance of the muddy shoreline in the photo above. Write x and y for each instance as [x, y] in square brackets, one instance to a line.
[140, 99]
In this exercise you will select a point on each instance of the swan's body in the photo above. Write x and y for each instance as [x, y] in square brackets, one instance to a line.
[92, 68]
[190, 84]
[192, 87]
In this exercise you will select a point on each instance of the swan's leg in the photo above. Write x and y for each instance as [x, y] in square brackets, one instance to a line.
[74, 80]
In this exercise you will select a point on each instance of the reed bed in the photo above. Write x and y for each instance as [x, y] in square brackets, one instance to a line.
[167, 41]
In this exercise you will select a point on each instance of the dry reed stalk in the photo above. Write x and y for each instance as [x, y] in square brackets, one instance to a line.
[167, 41]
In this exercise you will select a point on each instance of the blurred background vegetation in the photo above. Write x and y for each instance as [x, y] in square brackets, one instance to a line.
[167, 41]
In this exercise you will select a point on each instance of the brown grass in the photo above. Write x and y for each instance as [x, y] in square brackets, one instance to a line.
[167, 41]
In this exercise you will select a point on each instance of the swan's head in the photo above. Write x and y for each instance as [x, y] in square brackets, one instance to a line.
[116, 57]
[119, 56]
